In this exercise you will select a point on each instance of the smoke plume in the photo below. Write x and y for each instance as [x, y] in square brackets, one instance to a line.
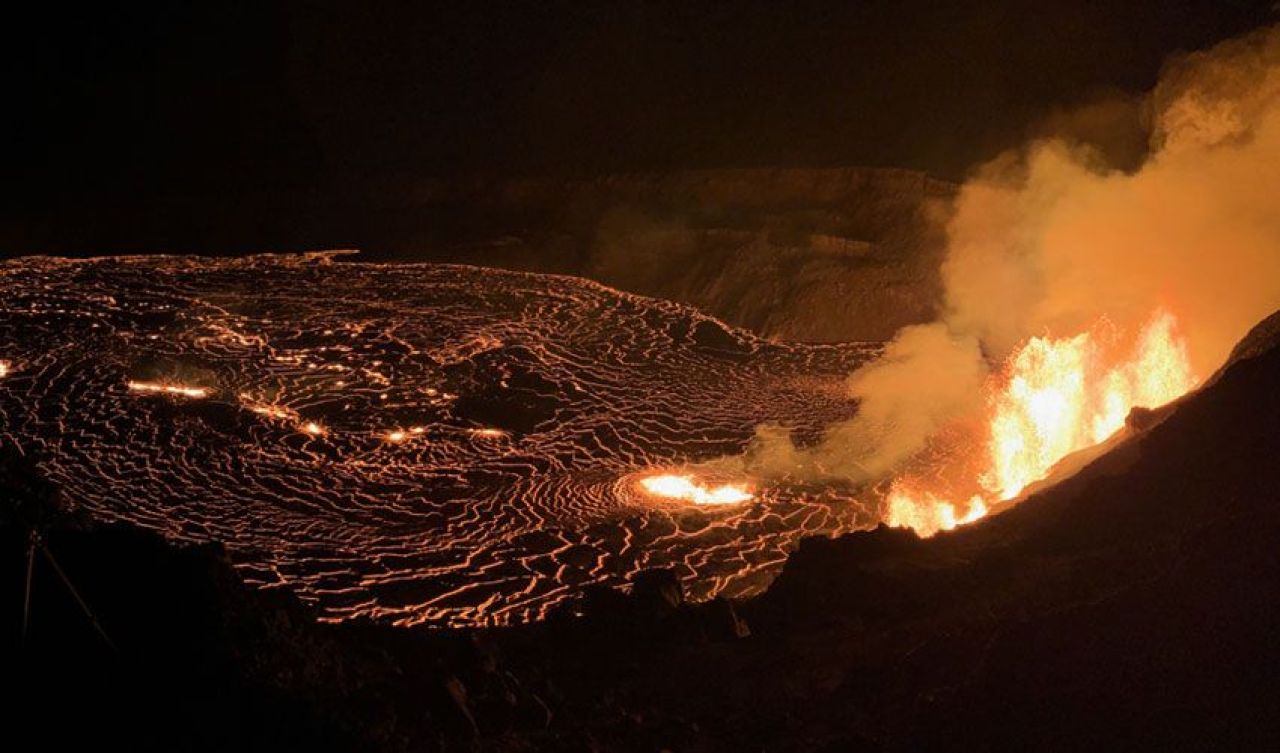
[1051, 239]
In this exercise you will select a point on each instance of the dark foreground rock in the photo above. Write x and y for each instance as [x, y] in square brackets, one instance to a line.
[1132, 606]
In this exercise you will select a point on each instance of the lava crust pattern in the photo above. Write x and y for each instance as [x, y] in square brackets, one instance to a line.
[409, 443]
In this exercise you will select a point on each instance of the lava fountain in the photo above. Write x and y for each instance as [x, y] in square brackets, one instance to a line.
[1054, 396]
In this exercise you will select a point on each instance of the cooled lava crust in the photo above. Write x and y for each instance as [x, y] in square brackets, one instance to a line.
[411, 443]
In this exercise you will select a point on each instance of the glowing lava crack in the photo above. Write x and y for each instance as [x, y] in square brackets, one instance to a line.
[414, 443]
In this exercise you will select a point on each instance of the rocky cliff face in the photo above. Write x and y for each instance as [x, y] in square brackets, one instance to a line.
[800, 254]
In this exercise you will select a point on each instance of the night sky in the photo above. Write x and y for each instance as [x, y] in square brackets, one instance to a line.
[160, 99]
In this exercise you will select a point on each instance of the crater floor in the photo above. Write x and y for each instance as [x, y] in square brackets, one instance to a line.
[413, 443]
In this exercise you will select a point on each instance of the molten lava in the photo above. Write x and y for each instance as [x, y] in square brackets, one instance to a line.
[684, 488]
[1055, 397]
[527, 409]
[166, 388]
[926, 512]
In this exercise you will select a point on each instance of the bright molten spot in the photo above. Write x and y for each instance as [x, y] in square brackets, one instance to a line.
[927, 513]
[1056, 397]
[170, 389]
[684, 488]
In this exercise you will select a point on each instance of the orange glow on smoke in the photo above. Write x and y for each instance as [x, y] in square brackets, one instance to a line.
[673, 486]
[1055, 397]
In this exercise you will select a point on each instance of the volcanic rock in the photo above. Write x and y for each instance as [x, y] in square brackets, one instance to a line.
[657, 590]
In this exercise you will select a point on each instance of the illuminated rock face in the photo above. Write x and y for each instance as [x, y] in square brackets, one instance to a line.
[816, 255]
[436, 444]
